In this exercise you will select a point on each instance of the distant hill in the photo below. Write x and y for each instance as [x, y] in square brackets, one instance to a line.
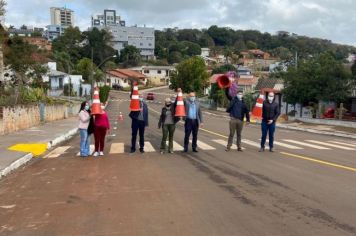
[176, 44]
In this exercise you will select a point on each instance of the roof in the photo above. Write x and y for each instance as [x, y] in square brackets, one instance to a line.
[56, 73]
[270, 83]
[153, 68]
[126, 73]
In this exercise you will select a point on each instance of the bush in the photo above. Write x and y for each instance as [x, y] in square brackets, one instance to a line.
[104, 93]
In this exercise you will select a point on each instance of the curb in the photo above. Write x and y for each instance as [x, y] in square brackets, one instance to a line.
[27, 157]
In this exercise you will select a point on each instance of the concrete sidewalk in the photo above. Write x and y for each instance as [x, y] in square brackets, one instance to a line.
[26, 142]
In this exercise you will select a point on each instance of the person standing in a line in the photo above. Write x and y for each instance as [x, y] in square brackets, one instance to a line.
[270, 113]
[238, 110]
[102, 127]
[193, 120]
[168, 123]
[84, 119]
[139, 123]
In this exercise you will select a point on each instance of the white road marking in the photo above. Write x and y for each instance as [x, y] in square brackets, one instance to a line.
[204, 146]
[306, 144]
[176, 146]
[117, 148]
[331, 145]
[92, 147]
[251, 143]
[345, 144]
[224, 143]
[285, 145]
[149, 147]
[57, 152]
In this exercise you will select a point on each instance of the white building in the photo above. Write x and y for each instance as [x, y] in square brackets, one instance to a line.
[142, 38]
[62, 16]
[156, 75]
[205, 52]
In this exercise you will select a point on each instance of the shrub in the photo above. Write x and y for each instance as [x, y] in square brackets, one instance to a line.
[104, 93]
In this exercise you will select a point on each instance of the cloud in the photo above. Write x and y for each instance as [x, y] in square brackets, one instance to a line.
[329, 19]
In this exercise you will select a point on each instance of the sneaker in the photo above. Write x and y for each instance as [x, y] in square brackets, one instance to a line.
[239, 149]
[132, 151]
[195, 150]
[96, 154]
[142, 151]
[101, 153]
[170, 152]
[162, 152]
[271, 150]
[262, 149]
[227, 149]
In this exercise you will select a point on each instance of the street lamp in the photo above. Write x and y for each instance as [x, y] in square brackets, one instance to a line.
[92, 69]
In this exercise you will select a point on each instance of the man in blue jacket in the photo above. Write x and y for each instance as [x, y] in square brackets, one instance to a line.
[193, 121]
[238, 111]
[139, 123]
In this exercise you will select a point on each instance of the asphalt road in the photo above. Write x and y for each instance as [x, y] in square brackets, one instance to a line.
[306, 187]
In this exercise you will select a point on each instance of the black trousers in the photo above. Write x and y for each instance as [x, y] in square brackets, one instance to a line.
[191, 126]
[137, 126]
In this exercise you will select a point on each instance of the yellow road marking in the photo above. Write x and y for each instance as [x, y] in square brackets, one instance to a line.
[319, 161]
[36, 149]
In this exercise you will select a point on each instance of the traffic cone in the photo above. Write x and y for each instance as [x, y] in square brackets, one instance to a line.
[180, 109]
[121, 117]
[96, 106]
[257, 110]
[135, 100]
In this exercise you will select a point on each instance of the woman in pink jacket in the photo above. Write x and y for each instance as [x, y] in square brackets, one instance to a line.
[102, 126]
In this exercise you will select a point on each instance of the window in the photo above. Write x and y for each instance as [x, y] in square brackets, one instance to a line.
[125, 81]
[141, 44]
[146, 71]
[108, 81]
[159, 72]
[150, 44]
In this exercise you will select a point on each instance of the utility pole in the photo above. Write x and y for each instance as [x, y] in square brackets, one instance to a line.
[92, 74]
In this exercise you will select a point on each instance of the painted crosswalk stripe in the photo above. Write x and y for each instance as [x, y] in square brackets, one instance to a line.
[149, 147]
[285, 145]
[306, 144]
[204, 146]
[331, 145]
[251, 143]
[224, 143]
[117, 148]
[57, 152]
[176, 146]
[345, 144]
[92, 147]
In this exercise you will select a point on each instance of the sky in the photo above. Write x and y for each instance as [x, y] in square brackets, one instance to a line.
[328, 19]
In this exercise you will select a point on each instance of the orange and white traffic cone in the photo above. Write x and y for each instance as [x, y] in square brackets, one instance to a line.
[96, 106]
[257, 110]
[121, 117]
[180, 109]
[135, 99]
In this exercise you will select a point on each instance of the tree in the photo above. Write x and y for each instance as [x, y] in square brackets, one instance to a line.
[175, 57]
[353, 69]
[63, 61]
[130, 56]
[191, 75]
[70, 44]
[251, 45]
[84, 68]
[100, 43]
[283, 53]
[2, 7]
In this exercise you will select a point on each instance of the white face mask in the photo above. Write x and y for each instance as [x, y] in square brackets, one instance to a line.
[239, 96]
[270, 98]
[102, 107]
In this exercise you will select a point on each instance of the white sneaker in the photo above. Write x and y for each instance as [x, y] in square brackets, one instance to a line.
[96, 154]
[101, 154]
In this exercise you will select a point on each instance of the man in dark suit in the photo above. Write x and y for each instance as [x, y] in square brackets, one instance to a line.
[139, 123]
[193, 121]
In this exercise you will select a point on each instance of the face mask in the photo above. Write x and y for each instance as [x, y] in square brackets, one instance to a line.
[87, 107]
[239, 96]
[102, 107]
[192, 99]
[270, 99]
[168, 104]
[141, 99]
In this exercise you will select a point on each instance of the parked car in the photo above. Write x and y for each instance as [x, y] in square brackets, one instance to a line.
[150, 96]
[117, 86]
[329, 113]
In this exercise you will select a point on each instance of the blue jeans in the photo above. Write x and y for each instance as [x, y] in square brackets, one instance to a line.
[191, 127]
[84, 143]
[137, 126]
[267, 128]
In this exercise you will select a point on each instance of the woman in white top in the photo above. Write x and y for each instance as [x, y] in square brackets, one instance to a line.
[84, 119]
